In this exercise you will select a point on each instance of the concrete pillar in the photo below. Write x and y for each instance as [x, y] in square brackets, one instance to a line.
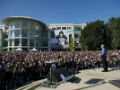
[8, 44]
[34, 35]
[28, 36]
[13, 40]
[8, 38]
[20, 39]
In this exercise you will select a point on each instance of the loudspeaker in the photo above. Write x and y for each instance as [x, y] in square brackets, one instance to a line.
[59, 74]
[56, 74]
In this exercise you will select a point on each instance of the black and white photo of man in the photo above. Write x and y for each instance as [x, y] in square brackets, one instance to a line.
[62, 39]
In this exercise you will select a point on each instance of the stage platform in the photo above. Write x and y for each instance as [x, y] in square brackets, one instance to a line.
[84, 80]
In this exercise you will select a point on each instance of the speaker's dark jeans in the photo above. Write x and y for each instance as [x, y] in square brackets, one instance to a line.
[105, 64]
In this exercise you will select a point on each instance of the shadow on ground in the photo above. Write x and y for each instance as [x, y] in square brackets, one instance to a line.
[94, 81]
[94, 85]
[75, 80]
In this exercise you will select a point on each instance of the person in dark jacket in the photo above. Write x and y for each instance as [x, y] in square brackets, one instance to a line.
[103, 57]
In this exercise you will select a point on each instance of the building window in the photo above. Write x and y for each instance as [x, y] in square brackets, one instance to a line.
[52, 34]
[24, 42]
[44, 39]
[17, 25]
[76, 36]
[16, 42]
[77, 28]
[70, 35]
[12, 25]
[58, 28]
[17, 33]
[32, 33]
[24, 33]
[53, 28]
[10, 42]
[11, 34]
[32, 42]
[24, 24]
[64, 28]
[69, 28]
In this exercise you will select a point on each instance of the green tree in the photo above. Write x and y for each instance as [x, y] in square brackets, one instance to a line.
[71, 44]
[114, 26]
[93, 35]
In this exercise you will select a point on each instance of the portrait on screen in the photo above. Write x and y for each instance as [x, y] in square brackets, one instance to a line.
[62, 39]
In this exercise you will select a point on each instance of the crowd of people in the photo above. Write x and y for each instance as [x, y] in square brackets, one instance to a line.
[19, 68]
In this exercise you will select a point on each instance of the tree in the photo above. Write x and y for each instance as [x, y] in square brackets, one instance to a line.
[114, 26]
[71, 44]
[93, 35]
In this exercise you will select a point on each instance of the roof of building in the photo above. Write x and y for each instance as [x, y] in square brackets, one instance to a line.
[66, 24]
[2, 25]
[6, 20]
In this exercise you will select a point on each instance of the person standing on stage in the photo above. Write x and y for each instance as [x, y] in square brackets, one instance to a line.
[103, 58]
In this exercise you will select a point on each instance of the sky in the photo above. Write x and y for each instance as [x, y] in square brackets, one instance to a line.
[61, 11]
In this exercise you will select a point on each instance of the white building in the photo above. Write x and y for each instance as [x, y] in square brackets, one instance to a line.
[66, 31]
[2, 36]
[2, 28]
[25, 33]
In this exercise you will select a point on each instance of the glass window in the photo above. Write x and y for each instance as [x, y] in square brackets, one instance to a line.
[64, 28]
[32, 30]
[5, 35]
[53, 28]
[12, 25]
[52, 34]
[33, 26]
[38, 30]
[70, 35]
[17, 24]
[32, 33]
[76, 36]
[58, 28]
[11, 33]
[77, 28]
[5, 43]
[10, 42]
[44, 39]
[37, 27]
[24, 33]
[17, 33]
[32, 42]
[24, 42]
[16, 42]
[69, 28]
[24, 24]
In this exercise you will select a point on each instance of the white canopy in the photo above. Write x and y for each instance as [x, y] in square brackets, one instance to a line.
[34, 49]
[18, 49]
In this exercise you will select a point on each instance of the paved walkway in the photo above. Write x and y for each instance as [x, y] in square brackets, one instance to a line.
[89, 80]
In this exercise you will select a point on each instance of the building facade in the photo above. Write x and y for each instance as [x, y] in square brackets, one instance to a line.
[61, 34]
[25, 33]
[2, 37]
[77, 33]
